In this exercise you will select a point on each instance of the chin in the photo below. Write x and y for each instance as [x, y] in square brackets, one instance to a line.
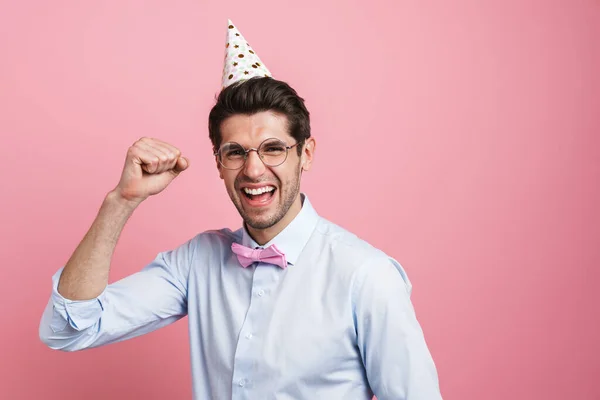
[256, 223]
[261, 218]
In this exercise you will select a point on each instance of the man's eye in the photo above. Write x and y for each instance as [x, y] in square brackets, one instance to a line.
[235, 153]
[274, 149]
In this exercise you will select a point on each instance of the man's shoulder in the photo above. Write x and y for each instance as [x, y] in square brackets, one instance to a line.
[224, 236]
[346, 244]
[208, 241]
[210, 245]
[352, 254]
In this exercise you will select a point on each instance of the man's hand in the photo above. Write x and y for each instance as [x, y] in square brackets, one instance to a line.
[150, 166]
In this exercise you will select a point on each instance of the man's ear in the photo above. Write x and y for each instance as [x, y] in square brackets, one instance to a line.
[308, 153]
[219, 167]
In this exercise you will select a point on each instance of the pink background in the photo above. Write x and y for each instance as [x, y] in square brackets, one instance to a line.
[486, 188]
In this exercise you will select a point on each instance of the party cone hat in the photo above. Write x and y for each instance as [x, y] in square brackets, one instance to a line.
[241, 62]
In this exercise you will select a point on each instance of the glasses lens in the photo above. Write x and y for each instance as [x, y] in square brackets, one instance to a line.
[273, 152]
[231, 155]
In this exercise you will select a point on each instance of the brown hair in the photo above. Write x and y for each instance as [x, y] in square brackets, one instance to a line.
[255, 95]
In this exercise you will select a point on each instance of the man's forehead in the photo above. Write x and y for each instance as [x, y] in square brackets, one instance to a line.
[247, 129]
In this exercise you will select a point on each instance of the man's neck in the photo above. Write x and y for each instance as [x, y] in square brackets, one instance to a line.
[262, 236]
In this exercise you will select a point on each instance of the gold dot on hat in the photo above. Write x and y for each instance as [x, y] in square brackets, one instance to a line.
[230, 76]
[227, 45]
[235, 64]
[230, 26]
[246, 72]
[251, 51]
[254, 66]
[237, 34]
[241, 56]
[236, 46]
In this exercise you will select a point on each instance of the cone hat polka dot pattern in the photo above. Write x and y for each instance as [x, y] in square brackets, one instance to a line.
[241, 61]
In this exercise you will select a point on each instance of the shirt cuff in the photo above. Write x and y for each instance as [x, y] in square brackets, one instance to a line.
[80, 314]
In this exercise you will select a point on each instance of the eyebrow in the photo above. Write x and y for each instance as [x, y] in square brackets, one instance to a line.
[264, 140]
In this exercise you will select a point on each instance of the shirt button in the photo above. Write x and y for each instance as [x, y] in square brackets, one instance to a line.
[261, 293]
[249, 336]
[242, 383]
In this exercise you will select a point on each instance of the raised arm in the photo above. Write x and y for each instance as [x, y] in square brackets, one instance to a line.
[84, 311]
[149, 168]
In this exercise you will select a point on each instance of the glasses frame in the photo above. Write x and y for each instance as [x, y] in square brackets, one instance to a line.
[256, 149]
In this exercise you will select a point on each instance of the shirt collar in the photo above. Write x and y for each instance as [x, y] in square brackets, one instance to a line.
[292, 239]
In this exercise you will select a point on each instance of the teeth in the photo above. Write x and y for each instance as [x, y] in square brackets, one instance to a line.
[258, 191]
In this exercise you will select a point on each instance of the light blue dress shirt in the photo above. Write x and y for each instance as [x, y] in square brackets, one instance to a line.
[337, 323]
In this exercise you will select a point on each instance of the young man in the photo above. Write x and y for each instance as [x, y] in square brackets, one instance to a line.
[288, 306]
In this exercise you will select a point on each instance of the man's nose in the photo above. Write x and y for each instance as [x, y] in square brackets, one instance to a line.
[254, 166]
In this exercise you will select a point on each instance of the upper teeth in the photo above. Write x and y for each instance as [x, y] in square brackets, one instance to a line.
[259, 190]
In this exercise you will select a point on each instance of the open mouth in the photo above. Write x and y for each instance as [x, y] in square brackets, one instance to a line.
[259, 195]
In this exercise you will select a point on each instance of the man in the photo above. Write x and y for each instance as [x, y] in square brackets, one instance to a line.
[290, 306]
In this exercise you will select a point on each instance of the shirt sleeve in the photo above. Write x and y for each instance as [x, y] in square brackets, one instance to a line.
[150, 299]
[397, 360]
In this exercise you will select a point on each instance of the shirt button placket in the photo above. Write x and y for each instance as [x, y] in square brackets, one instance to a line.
[247, 355]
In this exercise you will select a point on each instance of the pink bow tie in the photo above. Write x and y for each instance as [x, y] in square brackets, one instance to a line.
[270, 255]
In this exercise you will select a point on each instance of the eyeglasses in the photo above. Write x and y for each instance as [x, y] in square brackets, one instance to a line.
[272, 152]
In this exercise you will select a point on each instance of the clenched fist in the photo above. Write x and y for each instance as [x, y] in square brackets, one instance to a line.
[150, 166]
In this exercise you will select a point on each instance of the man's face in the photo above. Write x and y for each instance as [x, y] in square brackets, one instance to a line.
[278, 186]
